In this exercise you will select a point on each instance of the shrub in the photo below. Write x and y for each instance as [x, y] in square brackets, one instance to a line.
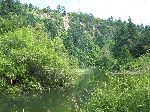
[29, 60]
[139, 65]
[124, 93]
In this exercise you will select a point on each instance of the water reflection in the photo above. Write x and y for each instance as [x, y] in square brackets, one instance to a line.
[41, 102]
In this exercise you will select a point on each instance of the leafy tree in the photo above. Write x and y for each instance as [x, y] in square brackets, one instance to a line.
[30, 61]
[80, 42]
[61, 9]
[142, 44]
[121, 44]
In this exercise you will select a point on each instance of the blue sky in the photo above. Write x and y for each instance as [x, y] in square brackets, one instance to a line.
[138, 10]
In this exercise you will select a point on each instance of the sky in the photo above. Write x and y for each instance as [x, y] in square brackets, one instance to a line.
[138, 10]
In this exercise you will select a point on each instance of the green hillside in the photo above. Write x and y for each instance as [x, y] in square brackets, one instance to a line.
[108, 61]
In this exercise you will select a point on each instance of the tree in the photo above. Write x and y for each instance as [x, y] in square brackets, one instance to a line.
[61, 9]
[29, 60]
[120, 47]
[142, 45]
[79, 41]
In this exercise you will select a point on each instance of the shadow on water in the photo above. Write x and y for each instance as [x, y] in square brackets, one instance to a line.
[53, 101]
[42, 102]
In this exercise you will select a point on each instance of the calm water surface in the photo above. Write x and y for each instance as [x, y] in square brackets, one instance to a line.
[42, 102]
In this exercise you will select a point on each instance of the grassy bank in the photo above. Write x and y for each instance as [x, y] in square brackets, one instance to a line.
[119, 93]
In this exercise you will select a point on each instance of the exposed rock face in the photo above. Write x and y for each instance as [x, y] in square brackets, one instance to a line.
[66, 22]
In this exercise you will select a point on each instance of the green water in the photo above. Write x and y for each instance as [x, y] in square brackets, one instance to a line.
[41, 102]
[53, 101]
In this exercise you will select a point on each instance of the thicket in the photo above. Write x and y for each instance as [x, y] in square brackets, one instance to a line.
[29, 60]
[38, 52]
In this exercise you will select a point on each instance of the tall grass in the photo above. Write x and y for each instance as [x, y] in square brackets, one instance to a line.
[120, 93]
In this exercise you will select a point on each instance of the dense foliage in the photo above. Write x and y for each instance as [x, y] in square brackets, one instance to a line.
[119, 93]
[46, 49]
[29, 60]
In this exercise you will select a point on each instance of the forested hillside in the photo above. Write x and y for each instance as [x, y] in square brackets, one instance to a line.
[45, 49]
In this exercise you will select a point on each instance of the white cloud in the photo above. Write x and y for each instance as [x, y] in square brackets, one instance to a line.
[50, 3]
[137, 9]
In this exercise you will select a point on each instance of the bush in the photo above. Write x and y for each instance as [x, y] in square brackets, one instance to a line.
[139, 65]
[124, 93]
[29, 60]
